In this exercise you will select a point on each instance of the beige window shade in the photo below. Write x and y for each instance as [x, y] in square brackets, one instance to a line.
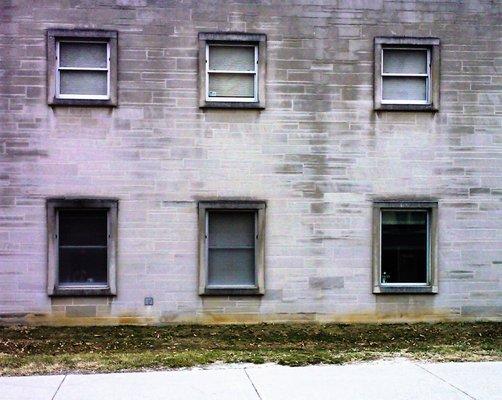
[83, 55]
[231, 85]
[405, 61]
[404, 88]
[84, 82]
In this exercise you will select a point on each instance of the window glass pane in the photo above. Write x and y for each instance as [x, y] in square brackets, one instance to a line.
[235, 58]
[403, 218]
[82, 246]
[84, 82]
[82, 227]
[231, 267]
[405, 61]
[404, 88]
[231, 85]
[82, 265]
[231, 250]
[404, 247]
[231, 229]
[92, 55]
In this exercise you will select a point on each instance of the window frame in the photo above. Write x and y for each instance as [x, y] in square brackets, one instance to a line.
[57, 36]
[432, 46]
[427, 76]
[258, 207]
[54, 288]
[232, 39]
[255, 97]
[59, 95]
[431, 286]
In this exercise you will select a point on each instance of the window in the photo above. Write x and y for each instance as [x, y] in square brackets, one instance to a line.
[82, 67]
[82, 70]
[231, 247]
[404, 242]
[232, 70]
[82, 246]
[406, 74]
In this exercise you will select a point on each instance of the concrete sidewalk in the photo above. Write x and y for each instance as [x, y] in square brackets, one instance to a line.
[396, 379]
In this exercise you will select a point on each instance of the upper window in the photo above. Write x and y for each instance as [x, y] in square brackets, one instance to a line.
[406, 74]
[82, 67]
[405, 250]
[83, 70]
[232, 70]
[82, 246]
[231, 247]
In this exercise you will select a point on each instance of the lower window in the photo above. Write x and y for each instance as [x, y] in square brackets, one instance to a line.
[82, 246]
[404, 247]
[231, 247]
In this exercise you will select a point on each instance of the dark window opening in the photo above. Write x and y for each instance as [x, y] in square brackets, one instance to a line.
[231, 248]
[404, 236]
[83, 246]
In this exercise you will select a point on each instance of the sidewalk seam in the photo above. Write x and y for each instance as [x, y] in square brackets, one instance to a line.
[252, 384]
[59, 386]
[445, 381]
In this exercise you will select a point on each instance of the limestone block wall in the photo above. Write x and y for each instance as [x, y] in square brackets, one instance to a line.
[318, 155]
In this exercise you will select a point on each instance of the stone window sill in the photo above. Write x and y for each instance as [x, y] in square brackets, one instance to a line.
[406, 107]
[62, 292]
[232, 105]
[232, 292]
[405, 289]
[82, 102]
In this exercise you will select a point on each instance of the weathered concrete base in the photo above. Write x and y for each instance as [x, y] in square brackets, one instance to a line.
[209, 318]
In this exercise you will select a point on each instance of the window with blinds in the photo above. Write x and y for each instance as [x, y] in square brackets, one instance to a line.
[405, 75]
[231, 247]
[232, 73]
[83, 70]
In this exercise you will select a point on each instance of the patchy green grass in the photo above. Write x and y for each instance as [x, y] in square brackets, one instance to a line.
[42, 350]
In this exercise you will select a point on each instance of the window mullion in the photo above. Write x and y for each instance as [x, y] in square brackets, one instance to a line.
[83, 69]
[397, 75]
[237, 72]
[216, 247]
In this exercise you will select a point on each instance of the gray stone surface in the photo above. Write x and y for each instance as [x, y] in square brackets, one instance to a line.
[29, 387]
[381, 380]
[482, 381]
[221, 384]
[396, 379]
[318, 154]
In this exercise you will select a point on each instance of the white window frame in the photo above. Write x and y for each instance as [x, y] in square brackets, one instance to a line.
[398, 75]
[428, 250]
[59, 95]
[208, 71]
